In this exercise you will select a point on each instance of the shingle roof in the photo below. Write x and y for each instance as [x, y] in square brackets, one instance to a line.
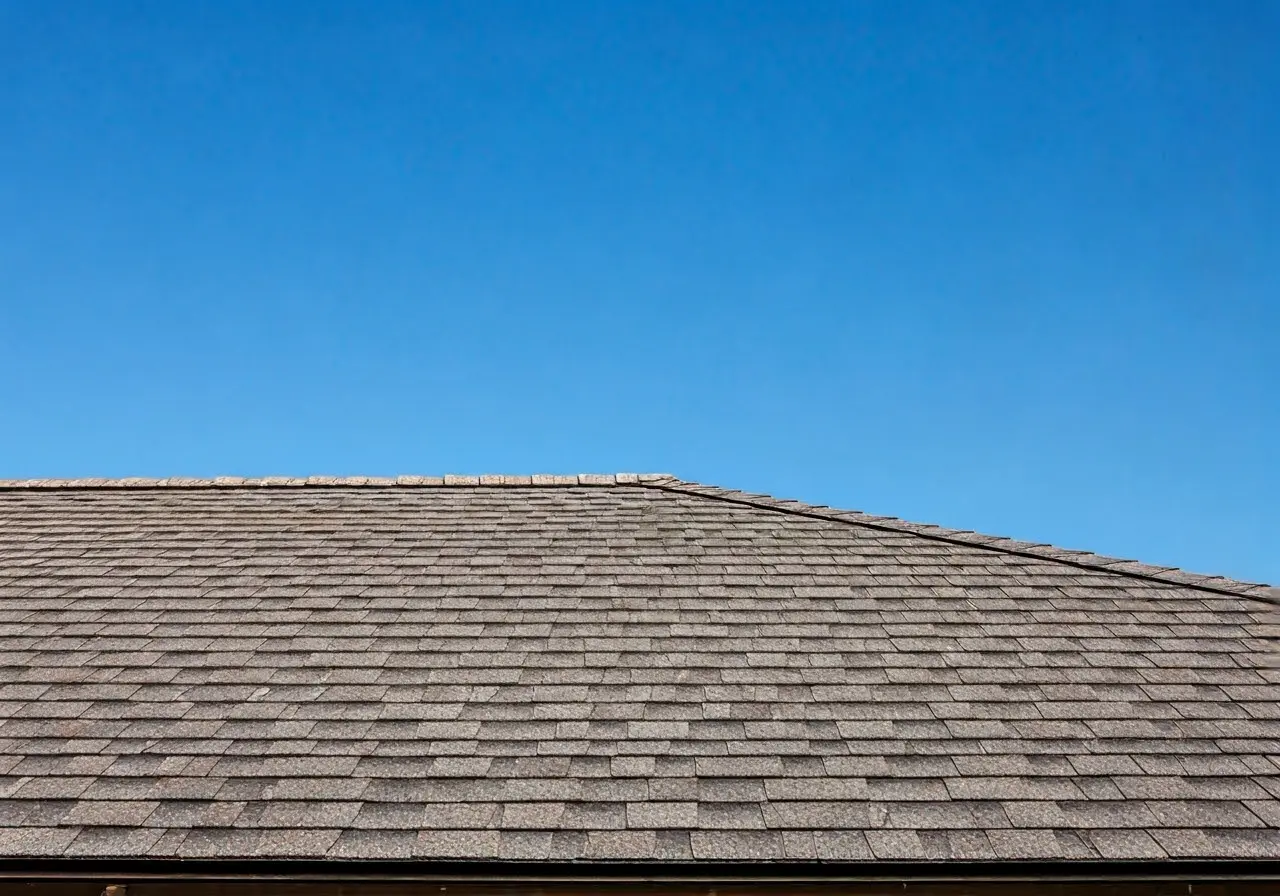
[607, 668]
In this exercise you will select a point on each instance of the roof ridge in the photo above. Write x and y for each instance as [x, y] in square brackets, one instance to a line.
[535, 479]
[1081, 559]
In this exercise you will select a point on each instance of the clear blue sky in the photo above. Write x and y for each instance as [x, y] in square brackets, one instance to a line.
[1004, 266]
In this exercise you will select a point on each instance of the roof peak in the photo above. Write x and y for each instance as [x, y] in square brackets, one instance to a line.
[450, 479]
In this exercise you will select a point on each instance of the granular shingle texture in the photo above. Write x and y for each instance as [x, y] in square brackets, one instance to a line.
[607, 668]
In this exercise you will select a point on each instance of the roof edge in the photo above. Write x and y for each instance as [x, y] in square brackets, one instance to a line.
[1080, 559]
[645, 871]
[448, 480]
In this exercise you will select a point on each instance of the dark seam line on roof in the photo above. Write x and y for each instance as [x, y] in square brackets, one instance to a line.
[683, 488]
[746, 870]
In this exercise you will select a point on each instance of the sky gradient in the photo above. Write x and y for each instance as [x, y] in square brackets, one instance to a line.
[1010, 267]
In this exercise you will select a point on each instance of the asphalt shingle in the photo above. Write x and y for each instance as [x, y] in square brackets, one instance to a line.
[607, 668]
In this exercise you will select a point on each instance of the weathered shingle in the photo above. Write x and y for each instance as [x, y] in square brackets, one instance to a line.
[607, 668]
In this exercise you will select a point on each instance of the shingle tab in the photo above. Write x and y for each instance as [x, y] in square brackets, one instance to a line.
[606, 668]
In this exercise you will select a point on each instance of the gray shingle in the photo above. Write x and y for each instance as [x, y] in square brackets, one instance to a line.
[567, 845]
[524, 845]
[1201, 814]
[390, 816]
[534, 816]
[662, 815]
[309, 814]
[903, 845]
[898, 789]
[295, 843]
[1226, 843]
[726, 845]
[730, 816]
[842, 846]
[970, 845]
[673, 846]
[620, 844]
[458, 845]
[215, 843]
[36, 841]
[121, 841]
[361, 844]
[810, 815]
[1025, 844]
[1126, 844]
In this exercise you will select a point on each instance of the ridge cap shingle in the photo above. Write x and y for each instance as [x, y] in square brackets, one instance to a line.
[449, 480]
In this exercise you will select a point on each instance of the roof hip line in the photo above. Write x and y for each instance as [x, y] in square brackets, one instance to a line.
[1078, 559]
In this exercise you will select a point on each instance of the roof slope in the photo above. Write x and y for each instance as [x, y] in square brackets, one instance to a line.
[606, 668]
